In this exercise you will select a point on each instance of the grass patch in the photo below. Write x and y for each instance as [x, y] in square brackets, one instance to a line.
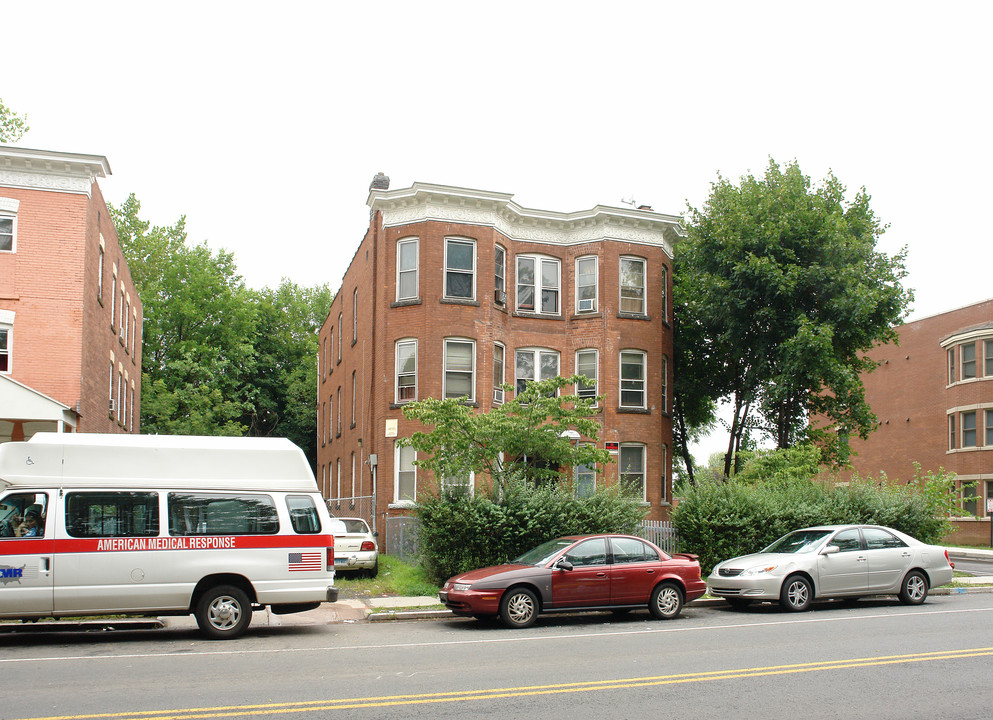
[395, 578]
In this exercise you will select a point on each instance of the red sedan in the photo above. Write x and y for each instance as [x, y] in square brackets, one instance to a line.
[587, 572]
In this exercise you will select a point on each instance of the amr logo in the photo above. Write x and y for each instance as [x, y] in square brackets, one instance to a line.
[9, 574]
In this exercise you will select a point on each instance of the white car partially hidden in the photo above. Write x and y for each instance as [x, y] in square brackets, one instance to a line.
[833, 561]
[356, 549]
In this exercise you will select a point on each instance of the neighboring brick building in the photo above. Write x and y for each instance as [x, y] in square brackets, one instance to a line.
[933, 396]
[70, 319]
[454, 291]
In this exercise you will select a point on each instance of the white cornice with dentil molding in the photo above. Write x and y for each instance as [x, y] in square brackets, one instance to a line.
[424, 202]
[52, 171]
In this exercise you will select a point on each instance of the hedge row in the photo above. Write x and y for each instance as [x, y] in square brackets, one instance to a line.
[720, 520]
[461, 532]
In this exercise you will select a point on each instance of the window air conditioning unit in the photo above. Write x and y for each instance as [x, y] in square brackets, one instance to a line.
[587, 305]
[111, 405]
[500, 297]
[498, 395]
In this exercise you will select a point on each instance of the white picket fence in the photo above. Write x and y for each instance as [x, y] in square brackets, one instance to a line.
[660, 532]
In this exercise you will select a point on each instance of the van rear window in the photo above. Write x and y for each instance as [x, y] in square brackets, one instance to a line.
[303, 514]
[112, 514]
[221, 514]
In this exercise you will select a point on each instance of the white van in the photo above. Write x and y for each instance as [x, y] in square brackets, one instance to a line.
[161, 525]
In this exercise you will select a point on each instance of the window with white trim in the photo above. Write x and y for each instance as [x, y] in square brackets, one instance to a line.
[99, 269]
[632, 379]
[499, 275]
[340, 335]
[586, 284]
[968, 354]
[951, 365]
[407, 260]
[113, 297]
[355, 314]
[353, 475]
[460, 368]
[338, 427]
[338, 475]
[8, 224]
[538, 284]
[330, 365]
[665, 383]
[499, 361]
[405, 474]
[458, 484]
[460, 269]
[406, 371]
[353, 398]
[632, 282]
[989, 428]
[631, 466]
[665, 293]
[586, 364]
[584, 479]
[989, 358]
[532, 364]
[952, 439]
[6, 339]
[969, 429]
[329, 418]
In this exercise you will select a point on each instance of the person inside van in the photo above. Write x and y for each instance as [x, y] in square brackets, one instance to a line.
[31, 525]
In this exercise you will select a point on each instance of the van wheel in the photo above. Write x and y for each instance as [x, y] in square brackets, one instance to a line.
[223, 612]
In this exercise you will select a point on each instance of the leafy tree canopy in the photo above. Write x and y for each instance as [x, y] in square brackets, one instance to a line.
[12, 125]
[785, 292]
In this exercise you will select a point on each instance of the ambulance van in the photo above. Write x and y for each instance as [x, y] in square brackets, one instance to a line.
[161, 525]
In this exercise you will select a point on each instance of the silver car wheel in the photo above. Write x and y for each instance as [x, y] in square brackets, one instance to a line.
[914, 590]
[519, 608]
[667, 601]
[797, 594]
[224, 612]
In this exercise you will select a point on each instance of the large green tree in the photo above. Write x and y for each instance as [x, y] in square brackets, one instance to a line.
[285, 386]
[784, 283]
[199, 325]
[12, 125]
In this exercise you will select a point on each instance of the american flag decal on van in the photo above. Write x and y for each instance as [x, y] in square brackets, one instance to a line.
[305, 561]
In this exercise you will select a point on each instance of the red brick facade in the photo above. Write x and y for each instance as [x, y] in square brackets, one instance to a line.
[73, 315]
[933, 396]
[370, 315]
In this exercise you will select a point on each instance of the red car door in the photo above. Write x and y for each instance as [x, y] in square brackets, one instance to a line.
[588, 582]
[634, 571]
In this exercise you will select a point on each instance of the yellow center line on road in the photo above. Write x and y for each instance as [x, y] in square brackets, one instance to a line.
[308, 706]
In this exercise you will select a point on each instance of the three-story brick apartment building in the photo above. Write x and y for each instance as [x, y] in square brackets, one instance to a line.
[70, 319]
[453, 292]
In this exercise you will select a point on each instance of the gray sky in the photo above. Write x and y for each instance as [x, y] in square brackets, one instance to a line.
[264, 123]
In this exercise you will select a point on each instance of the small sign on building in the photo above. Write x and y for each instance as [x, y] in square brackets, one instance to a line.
[612, 447]
[391, 428]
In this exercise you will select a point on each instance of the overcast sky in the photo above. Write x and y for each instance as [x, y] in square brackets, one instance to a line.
[264, 123]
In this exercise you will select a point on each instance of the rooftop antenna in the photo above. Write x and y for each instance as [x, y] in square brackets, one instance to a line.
[629, 200]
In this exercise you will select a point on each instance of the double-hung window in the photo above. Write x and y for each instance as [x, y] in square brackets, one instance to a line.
[406, 366]
[405, 482]
[499, 275]
[535, 364]
[586, 284]
[989, 359]
[968, 353]
[340, 335]
[989, 429]
[460, 366]
[632, 282]
[631, 466]
[538, 284]
[6, 335]
[665, 293]
[460, 269]
[6, 234]
[586, 364]
[969, 429]
[499, 358]
[632, 379]
[407, 269]
[584, 479]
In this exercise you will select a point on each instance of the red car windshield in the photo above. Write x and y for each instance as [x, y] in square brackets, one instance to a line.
[544, 552]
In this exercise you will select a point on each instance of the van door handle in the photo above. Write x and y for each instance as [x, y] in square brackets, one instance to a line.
[45, 565]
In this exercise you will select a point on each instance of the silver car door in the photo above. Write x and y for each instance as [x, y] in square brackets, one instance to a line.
[889, 559]
[844, 572]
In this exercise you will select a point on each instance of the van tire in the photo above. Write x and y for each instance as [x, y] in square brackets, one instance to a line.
[223, 612]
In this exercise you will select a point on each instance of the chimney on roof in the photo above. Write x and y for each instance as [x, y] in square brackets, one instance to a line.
[380, 182]
[645, 207]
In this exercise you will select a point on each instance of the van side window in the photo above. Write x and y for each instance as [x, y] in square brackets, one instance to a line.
[222, 514]
[23, 515]
[112, 514]
[303, 514]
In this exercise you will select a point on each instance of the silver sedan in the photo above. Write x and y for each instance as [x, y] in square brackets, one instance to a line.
[833, 561]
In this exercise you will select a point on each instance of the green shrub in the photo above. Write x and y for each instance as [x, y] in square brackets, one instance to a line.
[720, 520]
[460, 532]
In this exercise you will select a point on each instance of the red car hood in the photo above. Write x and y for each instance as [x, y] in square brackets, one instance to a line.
[482, 573]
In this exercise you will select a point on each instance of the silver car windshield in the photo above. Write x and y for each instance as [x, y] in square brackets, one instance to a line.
[800, 541]
[544, 552]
